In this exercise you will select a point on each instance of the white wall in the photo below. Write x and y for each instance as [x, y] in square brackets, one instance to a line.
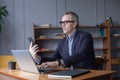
[22, 14]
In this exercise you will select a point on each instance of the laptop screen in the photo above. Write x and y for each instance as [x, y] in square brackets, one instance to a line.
[25, 60]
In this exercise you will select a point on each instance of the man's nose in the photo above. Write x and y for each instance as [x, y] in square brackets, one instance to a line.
[63, 25]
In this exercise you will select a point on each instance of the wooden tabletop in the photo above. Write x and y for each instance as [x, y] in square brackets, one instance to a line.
[22, 75]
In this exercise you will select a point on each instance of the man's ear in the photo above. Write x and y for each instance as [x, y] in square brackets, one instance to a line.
[75, 24]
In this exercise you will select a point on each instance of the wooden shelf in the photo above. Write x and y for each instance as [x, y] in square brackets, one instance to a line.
[49, 51]
[57, 38]
[39, 27]
[82, 26]
[115, 48]
[115, 60]
[105, 40]
[38, 39]
[100, 49]
[97, 37]
[115, 36]
[114, 26]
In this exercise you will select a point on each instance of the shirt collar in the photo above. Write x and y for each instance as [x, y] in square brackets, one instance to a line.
[72, 36]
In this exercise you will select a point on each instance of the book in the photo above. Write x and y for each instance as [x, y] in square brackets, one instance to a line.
[68, 73]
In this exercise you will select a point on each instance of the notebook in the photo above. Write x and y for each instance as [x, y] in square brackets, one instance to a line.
[26, 62]
[68, 73]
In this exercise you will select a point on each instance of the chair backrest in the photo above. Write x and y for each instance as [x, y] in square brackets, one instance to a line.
[101, 63]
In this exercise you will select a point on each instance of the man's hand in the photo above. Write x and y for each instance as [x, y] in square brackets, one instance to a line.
[33, 50]
[52, 64]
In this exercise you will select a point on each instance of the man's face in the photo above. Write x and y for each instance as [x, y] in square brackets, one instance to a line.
[68, 25]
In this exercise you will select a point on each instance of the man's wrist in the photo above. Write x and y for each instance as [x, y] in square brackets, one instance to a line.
[59, 62]
[38, 59]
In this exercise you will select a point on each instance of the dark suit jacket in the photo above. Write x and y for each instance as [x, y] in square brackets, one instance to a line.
[82, 52]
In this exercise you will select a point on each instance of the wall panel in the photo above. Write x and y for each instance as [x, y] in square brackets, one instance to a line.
[86, 9]
[24, 12]
[42, 12]
[19, 24]
[112, 9]
[7, 35]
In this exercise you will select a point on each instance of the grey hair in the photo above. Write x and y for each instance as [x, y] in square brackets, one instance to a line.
[74, 16]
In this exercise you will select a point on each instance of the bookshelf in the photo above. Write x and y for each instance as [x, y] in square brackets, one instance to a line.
[115, 44]
[47, 41]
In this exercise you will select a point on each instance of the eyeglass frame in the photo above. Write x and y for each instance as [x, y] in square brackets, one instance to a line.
[65, 22]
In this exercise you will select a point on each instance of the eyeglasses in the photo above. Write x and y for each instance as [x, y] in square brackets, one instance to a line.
[65, 22]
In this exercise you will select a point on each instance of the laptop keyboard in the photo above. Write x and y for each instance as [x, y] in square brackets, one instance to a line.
[46, 70]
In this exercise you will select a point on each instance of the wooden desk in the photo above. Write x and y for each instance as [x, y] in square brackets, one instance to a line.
[6, 74]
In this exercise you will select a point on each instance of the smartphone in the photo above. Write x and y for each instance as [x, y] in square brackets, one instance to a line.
[30, 39]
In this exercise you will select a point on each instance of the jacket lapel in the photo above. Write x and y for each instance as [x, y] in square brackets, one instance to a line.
[76, 37]
[66, 47]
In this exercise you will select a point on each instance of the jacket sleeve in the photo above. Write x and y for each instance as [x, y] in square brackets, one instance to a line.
[54, 56]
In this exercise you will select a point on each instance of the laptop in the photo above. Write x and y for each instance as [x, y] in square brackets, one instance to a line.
[26, 62]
